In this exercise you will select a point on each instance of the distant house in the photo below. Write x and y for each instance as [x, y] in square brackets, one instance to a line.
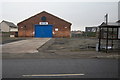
[90, 29]
[6, 26]
[77, 32]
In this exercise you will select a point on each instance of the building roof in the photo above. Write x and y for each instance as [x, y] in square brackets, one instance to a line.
[118, 21]
[111, 24]
[91, 27]
[46, 13]
[10, 24]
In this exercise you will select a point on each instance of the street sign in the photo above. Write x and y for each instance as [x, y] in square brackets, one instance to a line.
[43, 23]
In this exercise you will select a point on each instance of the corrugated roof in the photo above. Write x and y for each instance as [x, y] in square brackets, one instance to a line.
[114, 24]
[10, 24]
[110, 24]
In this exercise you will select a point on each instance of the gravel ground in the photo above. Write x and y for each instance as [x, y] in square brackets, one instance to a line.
[5, 40]
[66, 48]
[72, 44]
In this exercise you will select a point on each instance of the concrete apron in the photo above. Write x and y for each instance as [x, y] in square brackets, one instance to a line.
[24, 46]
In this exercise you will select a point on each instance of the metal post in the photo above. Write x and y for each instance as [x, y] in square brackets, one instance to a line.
[107, 41]
[117, 31]
[99, 49]
[106, 18]
[118, 35]
[112, 38]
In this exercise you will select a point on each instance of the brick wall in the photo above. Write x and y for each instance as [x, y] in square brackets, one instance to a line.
[26, 27]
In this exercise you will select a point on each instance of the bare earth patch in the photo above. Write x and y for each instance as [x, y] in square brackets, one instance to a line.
[66, 48]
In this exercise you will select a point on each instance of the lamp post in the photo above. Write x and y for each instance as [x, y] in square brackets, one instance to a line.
[106, 19]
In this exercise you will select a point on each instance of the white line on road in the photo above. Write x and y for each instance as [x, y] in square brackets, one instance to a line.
[38, 75]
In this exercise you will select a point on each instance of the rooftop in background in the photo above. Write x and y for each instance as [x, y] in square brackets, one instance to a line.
[117, 23]
[12, 25]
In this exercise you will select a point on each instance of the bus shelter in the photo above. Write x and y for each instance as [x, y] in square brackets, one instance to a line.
[109, 37]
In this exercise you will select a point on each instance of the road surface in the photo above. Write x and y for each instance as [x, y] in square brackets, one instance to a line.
[70, 68]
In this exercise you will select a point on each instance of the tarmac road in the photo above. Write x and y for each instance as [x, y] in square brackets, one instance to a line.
[70, 68]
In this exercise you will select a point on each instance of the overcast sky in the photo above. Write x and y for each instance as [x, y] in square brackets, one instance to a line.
[80, 14]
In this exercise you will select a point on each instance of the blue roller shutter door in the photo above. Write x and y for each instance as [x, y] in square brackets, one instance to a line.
[43, 31]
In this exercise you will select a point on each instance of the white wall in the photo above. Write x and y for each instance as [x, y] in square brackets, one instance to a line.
[14, 29]
[4, 27]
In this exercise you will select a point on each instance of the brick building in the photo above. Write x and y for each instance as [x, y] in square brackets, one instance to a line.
[44, 24]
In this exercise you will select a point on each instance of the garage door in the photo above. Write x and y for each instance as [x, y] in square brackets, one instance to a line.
[43, 31]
